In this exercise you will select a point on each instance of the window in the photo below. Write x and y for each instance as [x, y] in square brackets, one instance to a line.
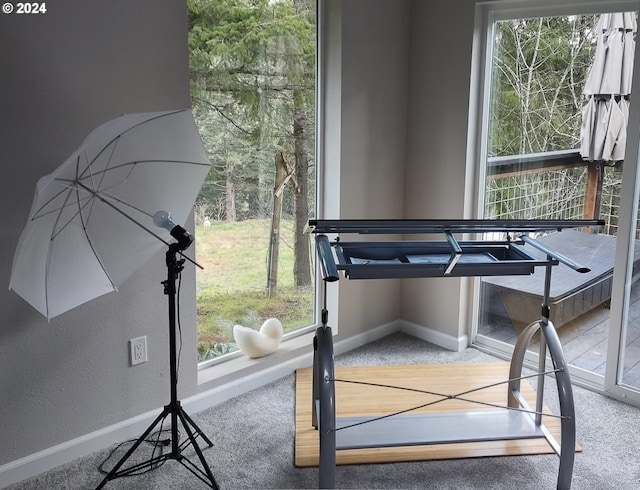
[536, 61]
[253, 89]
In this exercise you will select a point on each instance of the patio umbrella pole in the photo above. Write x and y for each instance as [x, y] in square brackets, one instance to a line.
[173, 409]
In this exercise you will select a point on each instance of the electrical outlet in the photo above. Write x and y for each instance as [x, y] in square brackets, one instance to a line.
[138, 349]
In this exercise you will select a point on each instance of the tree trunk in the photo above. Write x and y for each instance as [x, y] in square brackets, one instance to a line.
[230, 194]
[302, 264]
[276, 218]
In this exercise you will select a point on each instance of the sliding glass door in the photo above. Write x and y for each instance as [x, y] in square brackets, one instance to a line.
[546, 111]
[622, 378]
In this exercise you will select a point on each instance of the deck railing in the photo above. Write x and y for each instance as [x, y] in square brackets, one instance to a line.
[553, 185]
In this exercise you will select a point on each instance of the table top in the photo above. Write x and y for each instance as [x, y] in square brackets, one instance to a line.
[416, 226]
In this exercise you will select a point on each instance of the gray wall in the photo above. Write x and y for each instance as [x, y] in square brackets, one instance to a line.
[405, 105]
[63, 73]
[86, 62]
[434, 186]
[375, 57]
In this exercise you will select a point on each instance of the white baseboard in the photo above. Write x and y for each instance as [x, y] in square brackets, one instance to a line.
[49, 458]
[364, 338]
[68, 451]
[456, 344]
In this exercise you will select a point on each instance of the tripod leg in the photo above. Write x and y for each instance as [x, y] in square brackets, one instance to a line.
[186, 421]
[114, 473]
[195, 428]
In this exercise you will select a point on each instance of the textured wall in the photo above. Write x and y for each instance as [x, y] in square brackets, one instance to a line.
[63, 73]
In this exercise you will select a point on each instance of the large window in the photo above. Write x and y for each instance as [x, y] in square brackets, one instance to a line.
[253, 88]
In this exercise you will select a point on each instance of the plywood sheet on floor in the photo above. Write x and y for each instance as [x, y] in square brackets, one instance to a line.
[363, 400]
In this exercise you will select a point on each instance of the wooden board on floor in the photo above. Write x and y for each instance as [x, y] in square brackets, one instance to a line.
[448, 379]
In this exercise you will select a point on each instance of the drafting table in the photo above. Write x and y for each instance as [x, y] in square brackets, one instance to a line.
[448, 256]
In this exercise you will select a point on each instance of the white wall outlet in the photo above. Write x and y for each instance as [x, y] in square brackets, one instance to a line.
[138, 349]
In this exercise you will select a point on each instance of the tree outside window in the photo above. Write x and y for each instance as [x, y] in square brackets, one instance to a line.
[253, 81]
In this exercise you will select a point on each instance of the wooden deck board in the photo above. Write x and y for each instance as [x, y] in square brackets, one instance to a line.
[632, 363]
[585, 339]
[593, 359]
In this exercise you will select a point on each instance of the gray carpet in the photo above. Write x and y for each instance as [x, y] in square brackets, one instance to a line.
[253, 437]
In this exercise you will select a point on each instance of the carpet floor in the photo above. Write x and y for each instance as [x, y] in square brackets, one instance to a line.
[253, 436]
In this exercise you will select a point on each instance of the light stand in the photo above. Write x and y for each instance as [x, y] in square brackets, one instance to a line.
[173, 409]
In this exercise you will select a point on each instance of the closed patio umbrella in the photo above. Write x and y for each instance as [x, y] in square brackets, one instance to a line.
[608, 86]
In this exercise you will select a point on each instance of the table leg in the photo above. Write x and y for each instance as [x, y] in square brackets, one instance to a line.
[325, 404]
[566, 451]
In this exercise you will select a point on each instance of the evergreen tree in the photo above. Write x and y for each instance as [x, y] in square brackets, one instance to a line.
[253, 95]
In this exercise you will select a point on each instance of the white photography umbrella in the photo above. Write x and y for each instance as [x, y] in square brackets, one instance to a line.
[91, 223]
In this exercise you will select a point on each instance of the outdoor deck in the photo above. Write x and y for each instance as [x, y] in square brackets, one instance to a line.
[579, 303]
[584, 339]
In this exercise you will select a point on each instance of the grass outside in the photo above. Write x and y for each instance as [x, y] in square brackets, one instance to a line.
[232, 287]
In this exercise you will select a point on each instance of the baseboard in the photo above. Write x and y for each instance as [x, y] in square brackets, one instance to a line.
[456, 344]
[364, 338]
[68, 451]
[47, 459]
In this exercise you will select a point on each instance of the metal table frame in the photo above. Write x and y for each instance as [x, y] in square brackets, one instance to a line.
[396, 259]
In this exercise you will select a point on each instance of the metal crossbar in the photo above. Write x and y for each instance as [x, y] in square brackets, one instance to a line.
[444, 397]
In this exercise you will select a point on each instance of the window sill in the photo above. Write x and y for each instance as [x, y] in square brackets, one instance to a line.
[291, 355]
